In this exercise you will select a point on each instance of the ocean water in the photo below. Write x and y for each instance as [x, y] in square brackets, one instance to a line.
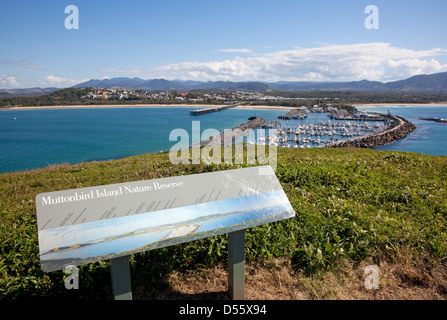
[31, 139]
[429, 137]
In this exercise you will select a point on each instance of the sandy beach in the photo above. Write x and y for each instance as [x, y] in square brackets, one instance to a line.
[90, 106]
[198, 106]
[437, 104]
[265, 107]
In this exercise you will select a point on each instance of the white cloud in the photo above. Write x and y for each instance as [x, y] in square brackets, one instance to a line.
[60, 82]
[9, 80]
[372, 61]
[406, 68]
[235, 50]
[20, 63]
[133, 71]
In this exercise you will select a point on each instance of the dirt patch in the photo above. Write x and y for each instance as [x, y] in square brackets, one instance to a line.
[402, 278]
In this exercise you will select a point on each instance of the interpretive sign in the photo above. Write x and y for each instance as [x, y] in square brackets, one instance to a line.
[81, 226]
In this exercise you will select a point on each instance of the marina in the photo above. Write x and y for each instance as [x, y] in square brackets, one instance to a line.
[301, 128]
[319, 134]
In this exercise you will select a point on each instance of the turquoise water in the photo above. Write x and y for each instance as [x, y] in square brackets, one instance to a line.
[429, 137]
[31, 139]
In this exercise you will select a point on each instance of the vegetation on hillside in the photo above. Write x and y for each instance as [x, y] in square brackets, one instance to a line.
[358, 97]
[350, 204]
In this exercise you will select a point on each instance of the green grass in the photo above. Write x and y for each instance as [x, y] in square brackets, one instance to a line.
[350, 204]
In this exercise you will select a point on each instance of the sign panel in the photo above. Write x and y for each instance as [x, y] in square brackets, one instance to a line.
[82, 226]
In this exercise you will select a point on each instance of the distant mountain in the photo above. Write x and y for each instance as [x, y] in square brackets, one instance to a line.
[229, 85]
[292, 85]
[24, 92]
[364, 85]
[431, 83]
[421, 83]
[165, 85]
[134, 83]
[121, 82]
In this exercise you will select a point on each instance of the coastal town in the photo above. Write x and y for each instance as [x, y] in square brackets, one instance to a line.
[226, 97]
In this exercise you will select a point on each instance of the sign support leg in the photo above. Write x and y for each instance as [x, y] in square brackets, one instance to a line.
[236, 265]
[120, 272]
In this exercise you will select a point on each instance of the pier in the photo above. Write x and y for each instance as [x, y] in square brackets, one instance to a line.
[227, 138]
[351, 117]
[198, 112]
[434, 120]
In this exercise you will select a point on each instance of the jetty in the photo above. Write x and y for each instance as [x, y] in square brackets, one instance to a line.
[198, 112]
[227, 138]
[339, 115]
[434, 120]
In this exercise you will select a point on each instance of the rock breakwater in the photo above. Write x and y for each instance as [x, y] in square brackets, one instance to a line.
[226, 138]
[397, 129]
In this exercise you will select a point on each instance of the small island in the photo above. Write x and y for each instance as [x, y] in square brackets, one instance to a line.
[434, 119]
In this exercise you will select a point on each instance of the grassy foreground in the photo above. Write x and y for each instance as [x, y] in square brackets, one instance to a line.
[351, 205]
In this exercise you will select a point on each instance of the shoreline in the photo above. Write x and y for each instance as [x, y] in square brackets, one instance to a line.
[104, 106]
[198, 106]
[435, 104]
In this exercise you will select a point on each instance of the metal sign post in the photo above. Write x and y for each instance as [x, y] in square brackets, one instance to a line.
[236, 265]
[121, 281]
[120, 273]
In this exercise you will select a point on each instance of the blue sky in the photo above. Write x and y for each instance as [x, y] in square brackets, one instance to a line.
[243, 40]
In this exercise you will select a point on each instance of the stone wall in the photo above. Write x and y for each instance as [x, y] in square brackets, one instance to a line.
[226, 139]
